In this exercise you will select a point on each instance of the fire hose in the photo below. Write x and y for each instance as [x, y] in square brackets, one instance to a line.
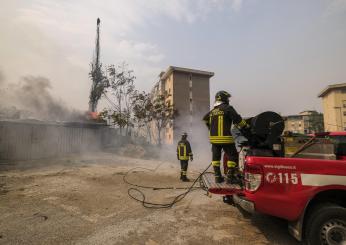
[153, 205]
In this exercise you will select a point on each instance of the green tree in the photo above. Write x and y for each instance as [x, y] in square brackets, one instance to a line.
[162, 113]
[99, 84]
[122, 88]
[142, 112]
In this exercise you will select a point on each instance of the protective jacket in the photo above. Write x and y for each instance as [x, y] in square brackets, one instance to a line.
[184, 151]
[219, 122]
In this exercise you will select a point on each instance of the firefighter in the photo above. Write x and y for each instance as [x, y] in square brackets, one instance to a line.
[184, 154]
[219, 122]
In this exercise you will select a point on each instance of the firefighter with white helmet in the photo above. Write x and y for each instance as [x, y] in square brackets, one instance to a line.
[219, 122]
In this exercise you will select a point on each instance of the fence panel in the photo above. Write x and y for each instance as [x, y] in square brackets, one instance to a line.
[33, 140]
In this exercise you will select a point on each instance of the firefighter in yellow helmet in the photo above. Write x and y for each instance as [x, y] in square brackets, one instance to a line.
[184, 154]
[219, 122]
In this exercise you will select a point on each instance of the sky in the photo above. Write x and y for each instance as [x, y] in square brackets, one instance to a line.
[269, 54]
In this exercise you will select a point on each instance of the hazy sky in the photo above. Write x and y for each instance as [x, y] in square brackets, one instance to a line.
[270, 54]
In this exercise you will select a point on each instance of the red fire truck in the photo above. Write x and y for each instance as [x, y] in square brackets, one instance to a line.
[309, 191]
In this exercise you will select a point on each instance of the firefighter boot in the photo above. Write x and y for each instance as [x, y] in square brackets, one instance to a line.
[218, 176]
[232, 177]
[183, 177]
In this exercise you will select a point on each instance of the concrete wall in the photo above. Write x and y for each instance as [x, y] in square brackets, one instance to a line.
[181, 99]
[34, 140]
[201, 96]
[334, 110]
[201, 106]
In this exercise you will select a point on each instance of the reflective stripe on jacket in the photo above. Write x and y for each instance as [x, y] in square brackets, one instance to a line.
[219, 121]
[184, 151]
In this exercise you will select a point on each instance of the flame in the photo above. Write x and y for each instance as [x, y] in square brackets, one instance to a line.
[93, 115]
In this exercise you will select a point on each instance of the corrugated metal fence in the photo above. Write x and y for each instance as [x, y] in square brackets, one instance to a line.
[33, 140]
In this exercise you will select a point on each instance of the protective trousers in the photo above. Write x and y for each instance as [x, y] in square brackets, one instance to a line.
[183, 165]
[231, 152]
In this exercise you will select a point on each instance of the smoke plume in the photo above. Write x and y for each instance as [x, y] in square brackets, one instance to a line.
[31, 98]
[2, 79]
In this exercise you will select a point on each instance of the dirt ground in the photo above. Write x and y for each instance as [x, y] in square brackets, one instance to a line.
[83, 200]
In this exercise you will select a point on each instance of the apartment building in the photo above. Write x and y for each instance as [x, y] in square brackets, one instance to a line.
[190, 96]
[334, 107]
[306, 122]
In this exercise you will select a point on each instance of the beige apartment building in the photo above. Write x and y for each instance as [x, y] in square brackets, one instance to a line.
[190, 96]
[294, 124]
[306, 122]
[334, 107]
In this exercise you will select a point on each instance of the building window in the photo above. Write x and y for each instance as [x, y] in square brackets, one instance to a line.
[344, 113]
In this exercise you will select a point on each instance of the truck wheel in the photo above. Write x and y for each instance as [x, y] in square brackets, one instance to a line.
[326, 225]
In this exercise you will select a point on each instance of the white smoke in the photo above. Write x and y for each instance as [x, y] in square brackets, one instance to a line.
[31, 98]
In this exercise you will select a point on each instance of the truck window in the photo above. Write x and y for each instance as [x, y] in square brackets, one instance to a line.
[340, 144]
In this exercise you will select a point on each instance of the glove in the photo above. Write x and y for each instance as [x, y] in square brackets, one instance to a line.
[178, 157]
[191, 158]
